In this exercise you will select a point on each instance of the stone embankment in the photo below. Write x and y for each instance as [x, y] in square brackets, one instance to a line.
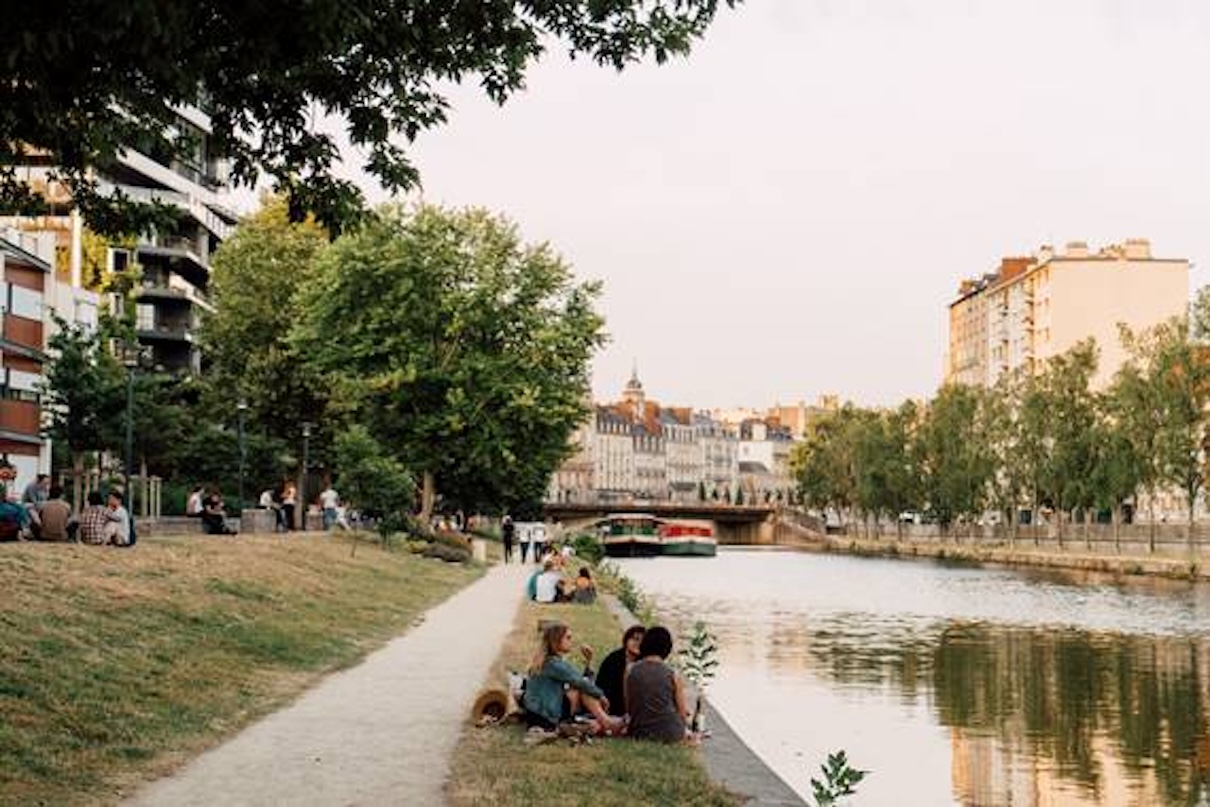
[1074, 556]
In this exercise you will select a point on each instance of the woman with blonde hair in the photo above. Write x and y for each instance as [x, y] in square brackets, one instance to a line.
[555, 691]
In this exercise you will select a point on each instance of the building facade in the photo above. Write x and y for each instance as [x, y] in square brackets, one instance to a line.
[1032, 309]
[32, 299]
[174, 262]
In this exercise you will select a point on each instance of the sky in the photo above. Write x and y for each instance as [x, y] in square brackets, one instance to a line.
[788, 211]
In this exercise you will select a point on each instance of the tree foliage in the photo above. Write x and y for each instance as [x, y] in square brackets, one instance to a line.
[464, 351]
[82, 79]
[373, 481]
[254, 278]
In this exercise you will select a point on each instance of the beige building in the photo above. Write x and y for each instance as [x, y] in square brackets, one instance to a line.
[1034, 308]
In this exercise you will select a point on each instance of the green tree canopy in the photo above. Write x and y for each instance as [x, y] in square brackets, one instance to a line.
[253, 282]
[462, 350]
[81, 79]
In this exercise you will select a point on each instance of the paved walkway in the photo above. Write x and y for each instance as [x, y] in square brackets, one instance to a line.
[380, 733]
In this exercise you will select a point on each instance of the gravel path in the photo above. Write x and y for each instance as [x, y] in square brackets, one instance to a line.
[380, 733]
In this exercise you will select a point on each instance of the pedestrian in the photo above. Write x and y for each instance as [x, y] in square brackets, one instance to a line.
[289, 500]
[508, 533]
[329, 500]
[525, 543]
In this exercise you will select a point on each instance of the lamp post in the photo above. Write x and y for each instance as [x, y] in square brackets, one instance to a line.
[242, 408]
[306, 464]
[130, 358]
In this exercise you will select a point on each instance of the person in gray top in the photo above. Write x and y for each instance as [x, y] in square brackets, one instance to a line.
[655, 694]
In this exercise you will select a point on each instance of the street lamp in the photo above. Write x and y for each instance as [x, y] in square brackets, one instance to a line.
[130, 359]
[242, 408]
[306, 464]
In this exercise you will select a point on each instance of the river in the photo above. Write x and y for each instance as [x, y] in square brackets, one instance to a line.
[955, 685]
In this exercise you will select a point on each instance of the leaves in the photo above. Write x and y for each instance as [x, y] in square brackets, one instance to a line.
[699, 656]
[83, 78]
[839, 779]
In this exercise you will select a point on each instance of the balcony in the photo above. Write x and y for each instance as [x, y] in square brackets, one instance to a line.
[166, 331]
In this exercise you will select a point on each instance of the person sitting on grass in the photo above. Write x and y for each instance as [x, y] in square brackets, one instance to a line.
[611, 678]
[214, 515]
[555, 692]
[585, 591]
[547, 588]
[655, 694]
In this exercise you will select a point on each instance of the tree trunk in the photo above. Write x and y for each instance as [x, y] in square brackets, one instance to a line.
[428, 494]
[1151, 529]
[1192, 502]
[1117, 528]
[77, 481]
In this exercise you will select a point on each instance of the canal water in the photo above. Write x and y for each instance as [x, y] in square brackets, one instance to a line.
[955, 685]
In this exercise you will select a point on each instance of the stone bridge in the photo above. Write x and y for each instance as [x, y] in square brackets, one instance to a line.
[733, 524]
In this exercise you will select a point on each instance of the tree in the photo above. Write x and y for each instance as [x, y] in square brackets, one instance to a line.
[84, 78]
[956, 462]
[1072, 429]
[373, 481]
[461, 349]
[82, 390]
[254, 276]
[1163, 391]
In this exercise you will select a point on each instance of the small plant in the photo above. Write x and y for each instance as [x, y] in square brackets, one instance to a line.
[699, 662]
[839, 780]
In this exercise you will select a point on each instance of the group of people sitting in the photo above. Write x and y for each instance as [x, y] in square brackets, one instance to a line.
[550, 585]
[42, 514]
[634, 693]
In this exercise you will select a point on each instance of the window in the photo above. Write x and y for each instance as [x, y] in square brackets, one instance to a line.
[24, 303]
[20, 380]
[145, 317]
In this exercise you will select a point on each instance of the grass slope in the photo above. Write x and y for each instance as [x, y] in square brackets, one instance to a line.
[117, 665]
[493, 766]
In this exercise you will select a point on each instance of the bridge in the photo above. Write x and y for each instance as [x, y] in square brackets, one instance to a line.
[733, 524]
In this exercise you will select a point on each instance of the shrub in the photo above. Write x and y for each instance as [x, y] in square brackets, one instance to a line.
[588, 547]
[443, 551]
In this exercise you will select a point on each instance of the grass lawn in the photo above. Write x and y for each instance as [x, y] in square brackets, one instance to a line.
[493, 766]
[117, 665]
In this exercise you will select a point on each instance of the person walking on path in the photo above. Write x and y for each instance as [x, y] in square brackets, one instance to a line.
[383, 732]
[508, 533]
[329, 500]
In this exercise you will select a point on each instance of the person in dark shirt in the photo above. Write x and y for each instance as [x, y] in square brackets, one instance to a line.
[655, 694]
[611, 678]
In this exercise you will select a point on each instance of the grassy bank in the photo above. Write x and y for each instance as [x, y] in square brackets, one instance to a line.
[494, 766]
[117, 665]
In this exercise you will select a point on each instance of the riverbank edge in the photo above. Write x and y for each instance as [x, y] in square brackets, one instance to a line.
[728, 760]
[1188, 568]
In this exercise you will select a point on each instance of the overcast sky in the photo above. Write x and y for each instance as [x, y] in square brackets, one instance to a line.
[788, 211]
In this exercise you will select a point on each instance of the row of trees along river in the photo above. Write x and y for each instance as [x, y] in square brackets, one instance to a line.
[1049, 439]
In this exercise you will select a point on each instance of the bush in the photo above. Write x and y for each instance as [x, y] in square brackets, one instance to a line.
[443, 551]
[588, 547]
[455, 540]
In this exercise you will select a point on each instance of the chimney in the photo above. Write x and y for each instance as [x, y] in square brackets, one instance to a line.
[1137, 249]
[1076, 249]
[1045, 253]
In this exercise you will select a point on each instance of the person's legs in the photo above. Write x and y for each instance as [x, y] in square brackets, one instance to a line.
[329, 518]
[508, 551]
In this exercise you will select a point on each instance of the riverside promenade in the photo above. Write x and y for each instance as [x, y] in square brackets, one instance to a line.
[382, 732]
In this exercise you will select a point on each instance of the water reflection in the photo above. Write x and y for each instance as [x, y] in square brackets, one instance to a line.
[1017, 688]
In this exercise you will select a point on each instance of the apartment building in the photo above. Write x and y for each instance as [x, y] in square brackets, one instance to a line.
[32, 298]
[174, 262]
[1034, 308]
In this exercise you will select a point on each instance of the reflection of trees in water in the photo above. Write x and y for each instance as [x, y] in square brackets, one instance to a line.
[1049, 694]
